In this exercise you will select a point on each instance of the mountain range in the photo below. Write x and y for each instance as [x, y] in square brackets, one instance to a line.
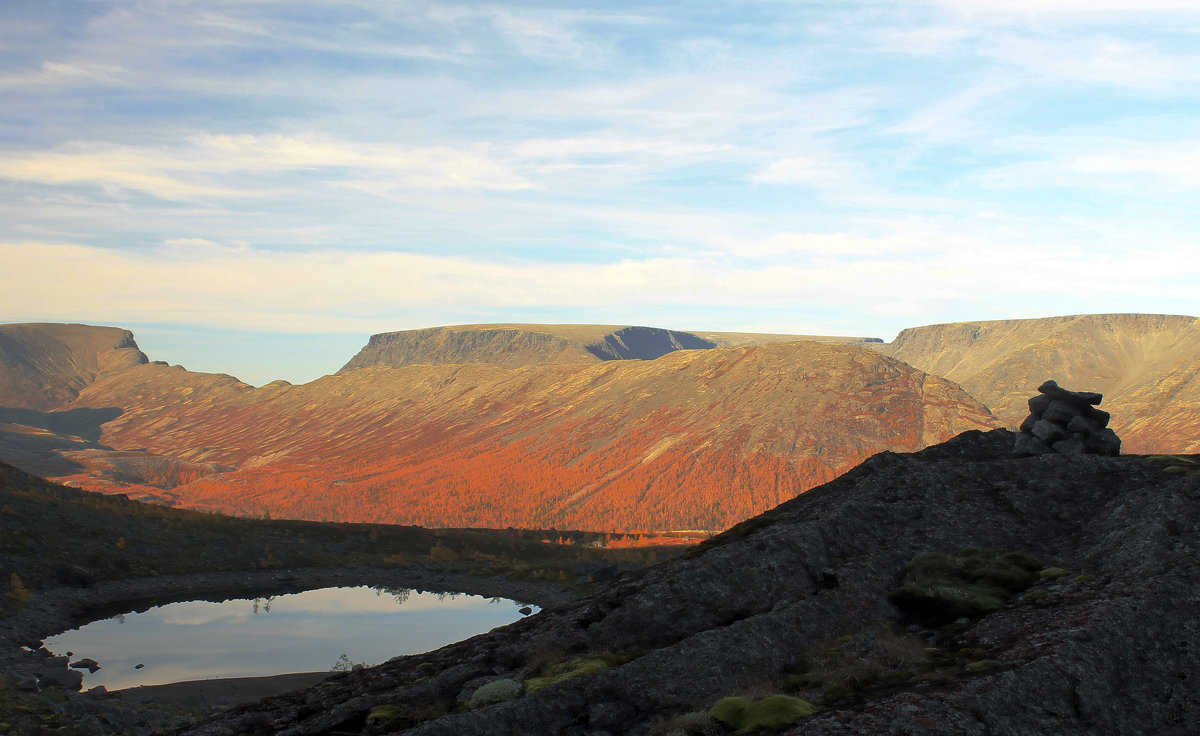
[616, 428]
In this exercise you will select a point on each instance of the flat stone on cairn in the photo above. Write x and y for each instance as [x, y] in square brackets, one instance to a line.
[1066, 422]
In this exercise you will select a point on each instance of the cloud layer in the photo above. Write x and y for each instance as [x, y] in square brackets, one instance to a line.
[354, 167]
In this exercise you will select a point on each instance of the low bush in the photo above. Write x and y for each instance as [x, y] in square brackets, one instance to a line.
[969, 583]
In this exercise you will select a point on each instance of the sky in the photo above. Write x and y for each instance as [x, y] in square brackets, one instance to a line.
[254, 186]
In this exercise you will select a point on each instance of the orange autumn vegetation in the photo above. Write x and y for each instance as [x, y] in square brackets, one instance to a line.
[693, 440]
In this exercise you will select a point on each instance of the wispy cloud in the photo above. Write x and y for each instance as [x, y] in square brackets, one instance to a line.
[904, 273]
[202, 168]
[358, 165]
[1113, 164]
[800, 170]
[1073, 9]
[1098, 59]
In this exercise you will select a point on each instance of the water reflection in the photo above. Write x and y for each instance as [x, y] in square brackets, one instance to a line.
[302, 632]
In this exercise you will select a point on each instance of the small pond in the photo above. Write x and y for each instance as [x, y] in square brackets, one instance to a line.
[313, 631]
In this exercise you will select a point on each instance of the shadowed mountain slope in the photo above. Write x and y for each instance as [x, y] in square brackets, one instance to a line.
[1145, 364]
[692, 440]
[43, 366]
[796, 601]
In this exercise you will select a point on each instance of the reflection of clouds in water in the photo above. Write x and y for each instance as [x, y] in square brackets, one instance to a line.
[360, 600]
[199, 613]
[303, 632]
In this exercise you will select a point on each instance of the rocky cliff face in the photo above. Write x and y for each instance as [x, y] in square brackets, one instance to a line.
[44, 366]
[1146, 364]
[482, 344]
[797, 602]
[645, 343]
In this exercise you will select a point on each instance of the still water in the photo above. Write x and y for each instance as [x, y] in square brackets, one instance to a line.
[301, 632]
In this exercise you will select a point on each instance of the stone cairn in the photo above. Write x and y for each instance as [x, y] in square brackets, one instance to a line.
[1066, 422]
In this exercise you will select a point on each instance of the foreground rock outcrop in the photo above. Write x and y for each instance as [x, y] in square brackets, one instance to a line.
[797, 600]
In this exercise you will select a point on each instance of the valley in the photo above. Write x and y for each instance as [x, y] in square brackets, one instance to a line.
[610, 428]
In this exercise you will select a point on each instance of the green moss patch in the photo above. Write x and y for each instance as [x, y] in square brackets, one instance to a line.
[1177, 464]
[772, 713]
[494, 692]
[385, 712]
[571, 668]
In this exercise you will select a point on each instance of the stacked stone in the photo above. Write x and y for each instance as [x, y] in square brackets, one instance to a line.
[1066, 422]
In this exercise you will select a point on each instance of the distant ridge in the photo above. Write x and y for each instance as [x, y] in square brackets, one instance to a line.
[534, 344]
[1145, 364]
[517, 345]
[729, 339]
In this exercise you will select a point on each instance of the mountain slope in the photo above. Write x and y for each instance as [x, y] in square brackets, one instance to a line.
[43, 366]
[1144, 364]
[797, 601]
[694, 439]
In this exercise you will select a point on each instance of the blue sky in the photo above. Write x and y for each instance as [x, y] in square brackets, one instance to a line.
[255, 187]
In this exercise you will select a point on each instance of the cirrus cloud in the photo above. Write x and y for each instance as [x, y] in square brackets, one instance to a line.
[217, 165]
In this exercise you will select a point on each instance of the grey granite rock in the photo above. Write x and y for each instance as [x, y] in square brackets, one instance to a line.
[1066, 422]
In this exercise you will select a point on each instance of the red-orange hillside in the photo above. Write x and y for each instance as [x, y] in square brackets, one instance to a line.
[694, 439]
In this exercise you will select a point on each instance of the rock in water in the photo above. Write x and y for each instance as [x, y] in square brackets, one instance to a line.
[87, 663]
[1066, 422]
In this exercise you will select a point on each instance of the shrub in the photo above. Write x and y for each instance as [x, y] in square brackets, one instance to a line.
[772, 713]
[969, 583]
[18, 594]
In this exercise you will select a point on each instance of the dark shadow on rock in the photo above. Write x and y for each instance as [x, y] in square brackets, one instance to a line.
[646, 343]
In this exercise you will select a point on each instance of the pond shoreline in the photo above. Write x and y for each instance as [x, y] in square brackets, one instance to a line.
[59, 609]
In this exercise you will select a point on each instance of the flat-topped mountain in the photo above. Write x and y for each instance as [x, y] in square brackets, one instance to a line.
[43, 366]
[1145, 364]
[729, 339]
[527, 344]
[515, 345]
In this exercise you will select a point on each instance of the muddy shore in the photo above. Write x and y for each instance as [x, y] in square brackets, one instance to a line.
[50, 612]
